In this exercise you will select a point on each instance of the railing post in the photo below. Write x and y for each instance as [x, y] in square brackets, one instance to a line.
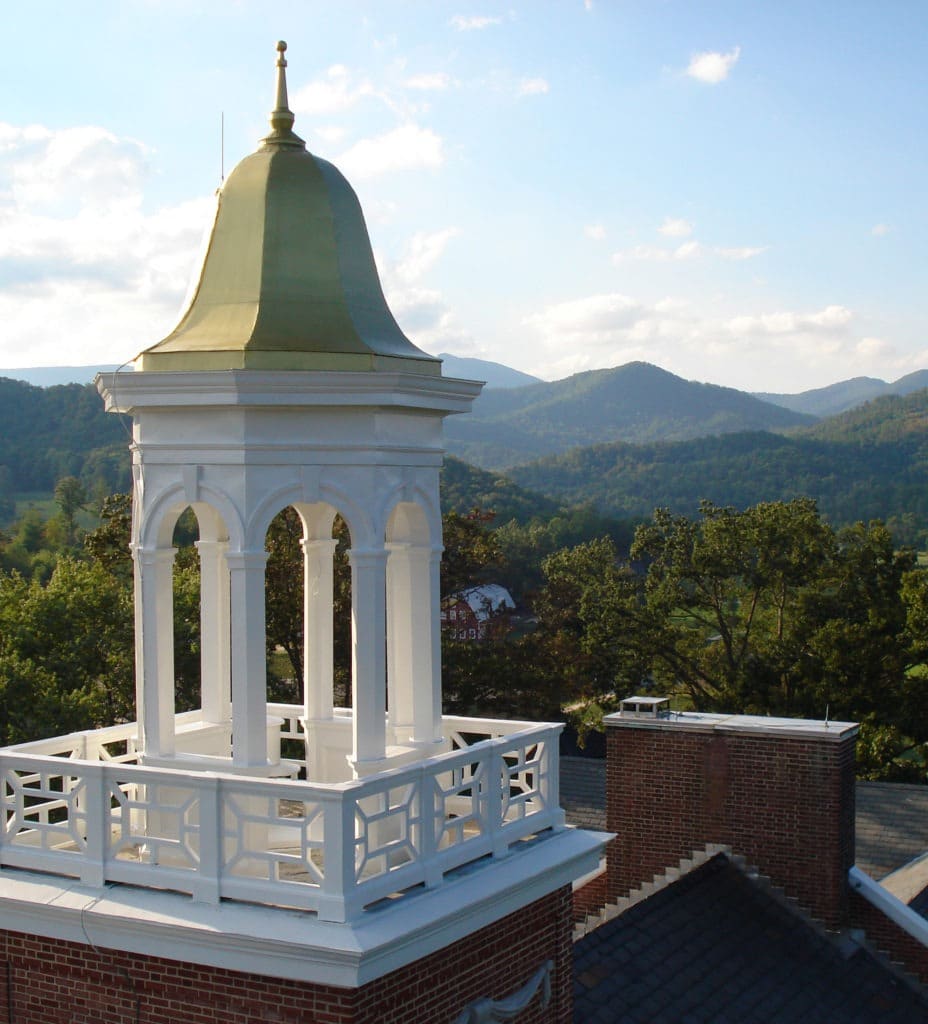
[4, 806]
[550, 781]
[207, 887]
[97, 825]
[428, 842]
[337, 897]
[497, 781]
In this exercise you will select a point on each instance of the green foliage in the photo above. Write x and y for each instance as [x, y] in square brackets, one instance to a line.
[108, 544]
[50, 433]
[765, 611]
[66, 652]
[284, 606]
[525, 547]
[472, 552]
[849, 480]
[70, 497]
[464, 487]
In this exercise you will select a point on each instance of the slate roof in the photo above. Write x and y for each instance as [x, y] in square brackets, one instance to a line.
[717, 947]
[891, 822]
[892, 825]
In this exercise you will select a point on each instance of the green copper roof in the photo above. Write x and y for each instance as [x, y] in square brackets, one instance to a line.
[288, 281]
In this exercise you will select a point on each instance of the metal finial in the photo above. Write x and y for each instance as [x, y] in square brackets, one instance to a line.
[282, 115]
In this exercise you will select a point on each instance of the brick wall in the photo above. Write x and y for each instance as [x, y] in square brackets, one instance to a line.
[785, 803]
[54, 982]
[590, 898]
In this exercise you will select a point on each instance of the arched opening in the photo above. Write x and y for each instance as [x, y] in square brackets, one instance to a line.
[308, 605]
[182, 626]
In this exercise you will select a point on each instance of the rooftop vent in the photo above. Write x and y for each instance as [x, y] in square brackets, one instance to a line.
[645, 707]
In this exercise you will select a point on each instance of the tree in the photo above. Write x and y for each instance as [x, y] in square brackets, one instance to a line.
[764, 611]
[723, 600]
[66, 652]
[472, 552]
[70, 497]
[108, 544]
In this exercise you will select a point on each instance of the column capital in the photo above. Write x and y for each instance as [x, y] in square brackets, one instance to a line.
[318, 544]
[363, 557]
[412, 550]
[210, 546]
[153, 556]
[246, 559]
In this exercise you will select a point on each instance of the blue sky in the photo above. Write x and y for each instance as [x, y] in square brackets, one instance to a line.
[734, 191]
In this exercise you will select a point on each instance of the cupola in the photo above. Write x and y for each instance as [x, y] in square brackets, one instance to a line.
[288, 280]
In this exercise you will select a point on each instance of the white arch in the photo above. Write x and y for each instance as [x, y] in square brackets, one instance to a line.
[156, 527]
[356, 519]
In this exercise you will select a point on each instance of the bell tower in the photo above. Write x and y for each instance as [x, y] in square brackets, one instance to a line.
[288, 382]
[378, 863]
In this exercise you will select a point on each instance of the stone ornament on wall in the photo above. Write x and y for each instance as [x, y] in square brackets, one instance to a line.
[496, 1011]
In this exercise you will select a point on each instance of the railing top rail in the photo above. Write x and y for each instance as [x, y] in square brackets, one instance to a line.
[17, 757]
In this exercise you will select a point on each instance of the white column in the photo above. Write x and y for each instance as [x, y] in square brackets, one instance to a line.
[248, 670]
[415, 699]
[431, 716]
[318, 627]
[368, 655]
[154, 624]
[215, 634]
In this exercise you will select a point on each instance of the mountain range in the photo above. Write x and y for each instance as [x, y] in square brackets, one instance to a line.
[636, 403]
[846, 394]
[620, 441]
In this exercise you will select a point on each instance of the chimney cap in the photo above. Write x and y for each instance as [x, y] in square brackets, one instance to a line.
[645, 707]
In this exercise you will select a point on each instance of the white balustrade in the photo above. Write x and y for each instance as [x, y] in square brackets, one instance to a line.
[82, 806]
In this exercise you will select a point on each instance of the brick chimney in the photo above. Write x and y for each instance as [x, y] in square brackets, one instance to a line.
[778, 791]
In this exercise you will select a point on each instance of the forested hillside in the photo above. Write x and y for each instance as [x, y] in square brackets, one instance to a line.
[637, 403]
[50, 433]
[870, 463]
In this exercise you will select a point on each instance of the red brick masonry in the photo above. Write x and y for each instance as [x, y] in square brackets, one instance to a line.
[784, 803]
[55, 982]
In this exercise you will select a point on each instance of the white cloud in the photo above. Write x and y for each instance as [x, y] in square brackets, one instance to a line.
[588, 5]
[595, 231]
[593, 318]
[688, 250]
[880, 229]
[743, 252]
[435, 82]
[424, 250]
[533, 87]
[69, 169]
[335, 93]
[829, 320]
[711, 66]
[685, 251]
[332, 133]
[85, 274]
[465, 24]
[660, 254]
[676, 227]
[874, 348]
[786, 350]
[428, 321]
[408, 147]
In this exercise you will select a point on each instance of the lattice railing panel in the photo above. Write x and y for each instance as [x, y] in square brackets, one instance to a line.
[273, 838]
[44, 809]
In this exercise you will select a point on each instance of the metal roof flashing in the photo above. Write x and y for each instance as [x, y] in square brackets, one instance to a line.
[661, 717]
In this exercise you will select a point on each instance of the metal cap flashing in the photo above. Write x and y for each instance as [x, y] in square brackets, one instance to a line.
[655, 713]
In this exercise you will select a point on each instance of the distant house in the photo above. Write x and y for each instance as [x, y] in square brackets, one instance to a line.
[477, 613]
